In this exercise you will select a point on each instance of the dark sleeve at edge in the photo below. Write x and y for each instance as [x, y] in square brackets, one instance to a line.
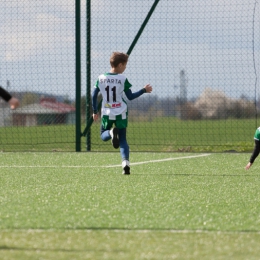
[5, 94]
[256, 151]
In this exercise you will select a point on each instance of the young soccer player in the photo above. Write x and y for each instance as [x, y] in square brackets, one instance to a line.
[114, 111]
[256, 150]
[13, 102]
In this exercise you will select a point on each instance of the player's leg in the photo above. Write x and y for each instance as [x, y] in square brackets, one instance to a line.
[121, 124]
[124, 151]
[106, 133]
[114, 137]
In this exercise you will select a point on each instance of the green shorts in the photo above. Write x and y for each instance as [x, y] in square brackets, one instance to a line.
[119, 122]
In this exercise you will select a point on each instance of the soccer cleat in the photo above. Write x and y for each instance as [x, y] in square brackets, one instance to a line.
[126, 170]
[115, 137]
[126, 167]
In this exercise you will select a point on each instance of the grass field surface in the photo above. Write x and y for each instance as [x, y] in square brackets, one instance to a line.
[165, 134]
[172, 206]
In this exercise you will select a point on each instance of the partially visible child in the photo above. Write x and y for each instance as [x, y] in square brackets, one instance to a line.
[114, 110]
[256, 150]
[13, 102]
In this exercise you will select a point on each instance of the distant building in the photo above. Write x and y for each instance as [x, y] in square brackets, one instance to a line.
[47, 112]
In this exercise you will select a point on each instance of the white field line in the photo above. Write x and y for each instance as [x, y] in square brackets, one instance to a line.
[177, 231]
[161, 160]
[102, 166]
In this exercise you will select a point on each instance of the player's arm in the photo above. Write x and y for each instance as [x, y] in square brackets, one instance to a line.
[130, 95]
[94, 103]
[5, 94]
[255, 153]
[13, 102]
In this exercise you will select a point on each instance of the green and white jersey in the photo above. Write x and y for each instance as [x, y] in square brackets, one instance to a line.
[257, 134]
[112, 87]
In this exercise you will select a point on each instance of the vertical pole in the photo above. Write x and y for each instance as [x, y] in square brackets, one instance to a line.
[88, 66]
[78, 75]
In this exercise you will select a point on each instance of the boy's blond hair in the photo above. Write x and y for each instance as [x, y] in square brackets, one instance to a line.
[118, 57]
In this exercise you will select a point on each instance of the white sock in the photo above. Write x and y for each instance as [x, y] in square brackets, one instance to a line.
[124, 163]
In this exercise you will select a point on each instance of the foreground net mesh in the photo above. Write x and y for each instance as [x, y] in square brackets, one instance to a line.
[201, 57]
[38, 66]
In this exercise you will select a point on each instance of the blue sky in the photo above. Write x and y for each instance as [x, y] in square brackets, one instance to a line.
[211, 40]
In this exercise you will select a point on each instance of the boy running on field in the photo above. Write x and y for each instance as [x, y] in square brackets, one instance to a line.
[114, 111]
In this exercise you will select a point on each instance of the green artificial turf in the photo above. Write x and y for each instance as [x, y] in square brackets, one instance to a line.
[172, 206]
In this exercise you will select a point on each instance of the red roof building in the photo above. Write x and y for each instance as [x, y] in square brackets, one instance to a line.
[47, 112]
